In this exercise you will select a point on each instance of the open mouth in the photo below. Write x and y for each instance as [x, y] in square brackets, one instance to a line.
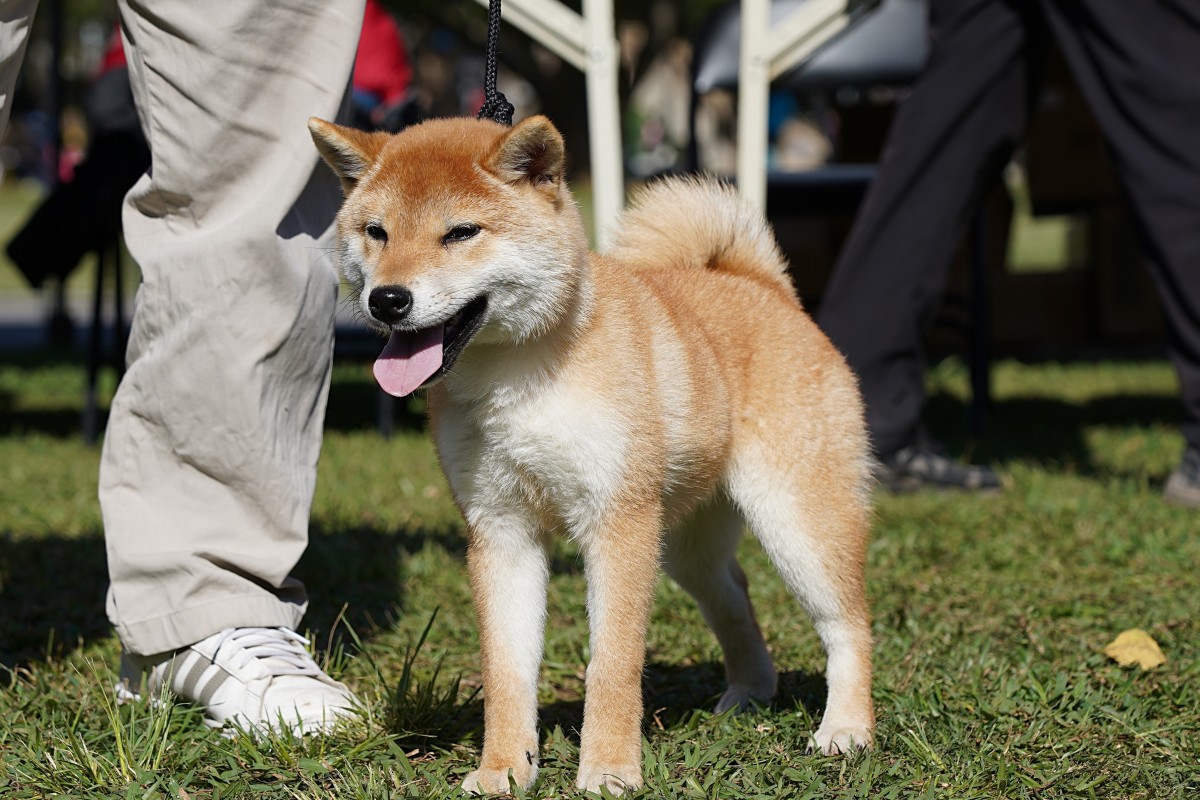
[457, 332]
[412, 359]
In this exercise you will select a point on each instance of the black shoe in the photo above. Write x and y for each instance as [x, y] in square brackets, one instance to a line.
[1183, 487]
[925, 465]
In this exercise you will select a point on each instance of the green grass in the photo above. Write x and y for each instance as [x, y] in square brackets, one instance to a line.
[1040, 244]
[990, 618]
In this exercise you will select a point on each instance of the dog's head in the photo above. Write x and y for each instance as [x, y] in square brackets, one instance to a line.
[453, 232]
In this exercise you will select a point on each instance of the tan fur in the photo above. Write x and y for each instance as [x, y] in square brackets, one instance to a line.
[643, 402]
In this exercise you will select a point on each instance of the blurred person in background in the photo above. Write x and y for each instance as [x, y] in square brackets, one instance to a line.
[1137, 66]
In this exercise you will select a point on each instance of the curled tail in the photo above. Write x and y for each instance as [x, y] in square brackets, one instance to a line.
[698, 223]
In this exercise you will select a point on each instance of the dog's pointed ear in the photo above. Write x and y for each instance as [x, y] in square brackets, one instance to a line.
[347, 151]
[533, 151]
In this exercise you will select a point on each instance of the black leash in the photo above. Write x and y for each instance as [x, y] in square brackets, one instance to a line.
[495, 105]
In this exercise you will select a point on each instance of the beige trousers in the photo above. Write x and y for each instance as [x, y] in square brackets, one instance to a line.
[210, 453]
[15, 19]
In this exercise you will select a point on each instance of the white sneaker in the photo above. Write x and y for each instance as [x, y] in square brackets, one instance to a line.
[259, 679]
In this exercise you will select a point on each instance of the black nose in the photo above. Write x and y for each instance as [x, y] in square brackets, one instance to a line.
[390, 304]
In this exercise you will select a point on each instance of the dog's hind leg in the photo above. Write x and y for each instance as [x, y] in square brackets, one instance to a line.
[814, 527]
[700, 557]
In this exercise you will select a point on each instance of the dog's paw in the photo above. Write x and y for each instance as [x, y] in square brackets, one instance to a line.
[617, 778]
[496, 781]
[839, 740]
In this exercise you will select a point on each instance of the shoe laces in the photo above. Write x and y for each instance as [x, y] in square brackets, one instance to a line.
[281, 651]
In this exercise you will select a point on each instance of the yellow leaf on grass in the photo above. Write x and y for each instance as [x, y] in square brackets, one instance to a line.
[1135, 646]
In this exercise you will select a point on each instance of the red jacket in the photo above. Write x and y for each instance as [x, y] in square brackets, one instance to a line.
[381, 66]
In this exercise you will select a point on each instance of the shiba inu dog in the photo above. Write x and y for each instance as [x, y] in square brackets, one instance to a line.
[647, 402]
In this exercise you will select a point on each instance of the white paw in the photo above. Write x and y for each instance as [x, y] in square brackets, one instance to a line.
[618, 779]
[832, 741]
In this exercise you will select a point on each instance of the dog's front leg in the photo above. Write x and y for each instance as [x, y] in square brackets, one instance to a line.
[508, 566]
[621, 563]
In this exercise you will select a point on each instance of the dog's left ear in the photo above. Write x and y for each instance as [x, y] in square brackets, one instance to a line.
[347, 151]
[533, 151]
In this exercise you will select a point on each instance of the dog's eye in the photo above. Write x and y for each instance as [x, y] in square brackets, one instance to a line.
[377, 232]
[460, 233]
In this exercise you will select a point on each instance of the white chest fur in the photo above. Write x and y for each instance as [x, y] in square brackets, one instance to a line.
[555, 458]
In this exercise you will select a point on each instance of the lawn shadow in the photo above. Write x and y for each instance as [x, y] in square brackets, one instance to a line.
[356, 403]
[57, 423]
[355, 577]
[53, 591]
[673, 693]
[54, 588]
[1046, 431]
[61, 422]
[42, 356]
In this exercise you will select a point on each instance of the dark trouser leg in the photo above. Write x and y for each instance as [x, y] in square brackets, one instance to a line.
[1138, 66]
[947, 144]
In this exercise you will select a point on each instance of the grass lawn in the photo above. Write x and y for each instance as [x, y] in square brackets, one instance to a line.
[991, 615]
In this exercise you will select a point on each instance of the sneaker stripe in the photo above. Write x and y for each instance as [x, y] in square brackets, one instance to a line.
[206, 689]
[163, 675]
[188, 673]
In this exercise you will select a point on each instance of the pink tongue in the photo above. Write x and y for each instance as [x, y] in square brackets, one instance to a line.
[408, 360]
